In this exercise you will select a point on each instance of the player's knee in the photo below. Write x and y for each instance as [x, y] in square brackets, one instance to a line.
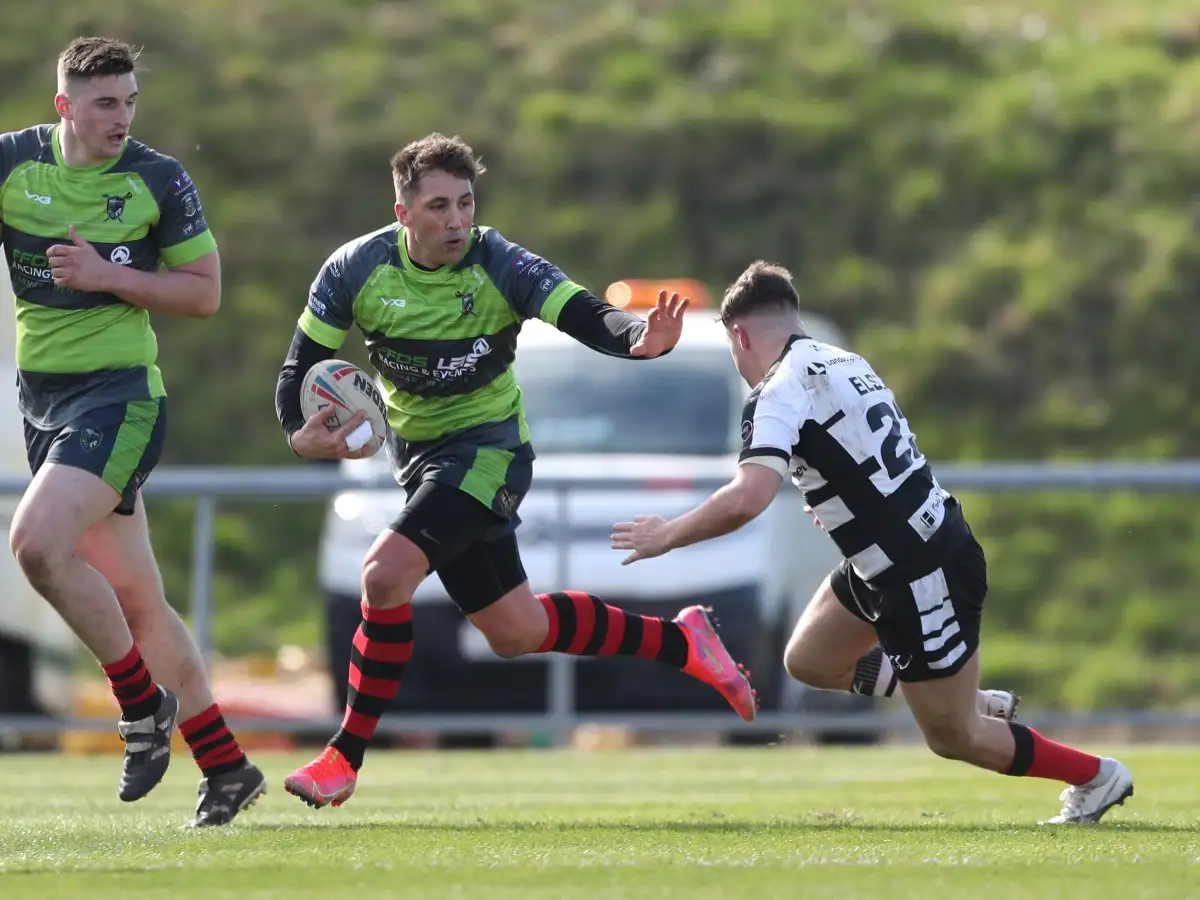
[802, 665]
[512, 636]
[511, 645]
[390, 576]
[37, 553]
[950, 738]
[384, 582]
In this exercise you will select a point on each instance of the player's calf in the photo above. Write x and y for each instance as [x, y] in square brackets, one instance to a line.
[962, 738]
[945, 710]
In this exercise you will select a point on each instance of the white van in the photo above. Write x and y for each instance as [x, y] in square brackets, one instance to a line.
[671, 426]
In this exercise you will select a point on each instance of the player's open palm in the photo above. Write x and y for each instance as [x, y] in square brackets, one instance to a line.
[316, 441]
[664, 325]
[646, 536]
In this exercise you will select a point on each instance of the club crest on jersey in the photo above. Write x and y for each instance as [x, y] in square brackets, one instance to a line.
[90, 439]
[115, 205]
[468, 303]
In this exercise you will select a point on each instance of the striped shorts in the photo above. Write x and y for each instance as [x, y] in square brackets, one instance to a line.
[929, 628]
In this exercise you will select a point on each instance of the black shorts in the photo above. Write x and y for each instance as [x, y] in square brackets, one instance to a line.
[121, 444]
[498, 479]
[930, 627]
[472, 548]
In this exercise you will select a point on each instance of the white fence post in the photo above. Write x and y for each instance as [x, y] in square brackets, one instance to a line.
[203, 555]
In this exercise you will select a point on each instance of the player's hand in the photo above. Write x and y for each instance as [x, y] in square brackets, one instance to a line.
[77, 265]
[646, 536]
[664, 325]
[808, 509]
[316, 441]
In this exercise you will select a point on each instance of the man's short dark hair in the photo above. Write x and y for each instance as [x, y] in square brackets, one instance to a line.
[93, 57]
[434, 153]
[763, 287]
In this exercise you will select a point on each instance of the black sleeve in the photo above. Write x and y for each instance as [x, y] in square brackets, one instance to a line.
[301, 356]
[601, 326]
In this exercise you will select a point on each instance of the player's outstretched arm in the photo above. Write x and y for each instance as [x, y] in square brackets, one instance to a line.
[615, 332]
[537, 289]
[728, 509]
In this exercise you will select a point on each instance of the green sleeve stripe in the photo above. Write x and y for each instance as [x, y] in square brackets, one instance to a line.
[557, 300]
[189, 251]
[322, 332]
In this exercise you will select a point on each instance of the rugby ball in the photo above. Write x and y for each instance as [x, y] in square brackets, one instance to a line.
[342, 389]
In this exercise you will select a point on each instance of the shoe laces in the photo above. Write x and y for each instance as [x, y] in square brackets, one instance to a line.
[329, 762]
[1072, 801]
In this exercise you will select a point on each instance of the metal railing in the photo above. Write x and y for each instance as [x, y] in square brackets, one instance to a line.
[208, 486]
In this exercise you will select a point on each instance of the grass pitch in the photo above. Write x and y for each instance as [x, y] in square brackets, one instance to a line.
[764, 823]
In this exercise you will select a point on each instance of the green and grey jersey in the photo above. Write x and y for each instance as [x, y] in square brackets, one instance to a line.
[79, 350]
[442, 340]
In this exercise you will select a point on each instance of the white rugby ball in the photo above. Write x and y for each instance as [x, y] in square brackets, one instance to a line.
[343, 389]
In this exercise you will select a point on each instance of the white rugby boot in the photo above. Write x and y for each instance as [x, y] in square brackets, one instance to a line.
[1088, 802]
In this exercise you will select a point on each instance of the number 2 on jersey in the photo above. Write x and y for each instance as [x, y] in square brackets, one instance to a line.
[896, 459]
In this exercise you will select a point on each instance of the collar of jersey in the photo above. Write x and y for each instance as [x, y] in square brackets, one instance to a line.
[82, 170]
[440, 274]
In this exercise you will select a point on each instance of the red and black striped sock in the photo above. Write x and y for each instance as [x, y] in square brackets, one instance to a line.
[132, 685]
[583, 625]
[214, 747]
[382, 648]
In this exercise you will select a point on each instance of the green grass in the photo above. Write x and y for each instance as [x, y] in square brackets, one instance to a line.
[771, 823]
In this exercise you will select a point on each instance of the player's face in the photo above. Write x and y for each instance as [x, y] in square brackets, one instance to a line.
[439, 218]
[100, 111]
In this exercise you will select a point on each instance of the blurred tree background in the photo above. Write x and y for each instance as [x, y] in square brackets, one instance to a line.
[998, 202]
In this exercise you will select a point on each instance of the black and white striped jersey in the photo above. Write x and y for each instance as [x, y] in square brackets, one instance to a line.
[823, 415]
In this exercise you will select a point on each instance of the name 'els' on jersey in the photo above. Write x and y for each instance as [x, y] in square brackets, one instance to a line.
[823, 414]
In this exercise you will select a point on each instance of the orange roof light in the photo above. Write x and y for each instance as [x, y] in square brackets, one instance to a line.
[642, 293]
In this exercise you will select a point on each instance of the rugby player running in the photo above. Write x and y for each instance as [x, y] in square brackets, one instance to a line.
[913, 577]
[99, 231]
[440, 301]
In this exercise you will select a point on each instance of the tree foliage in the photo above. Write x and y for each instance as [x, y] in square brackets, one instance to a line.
[998, 203]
